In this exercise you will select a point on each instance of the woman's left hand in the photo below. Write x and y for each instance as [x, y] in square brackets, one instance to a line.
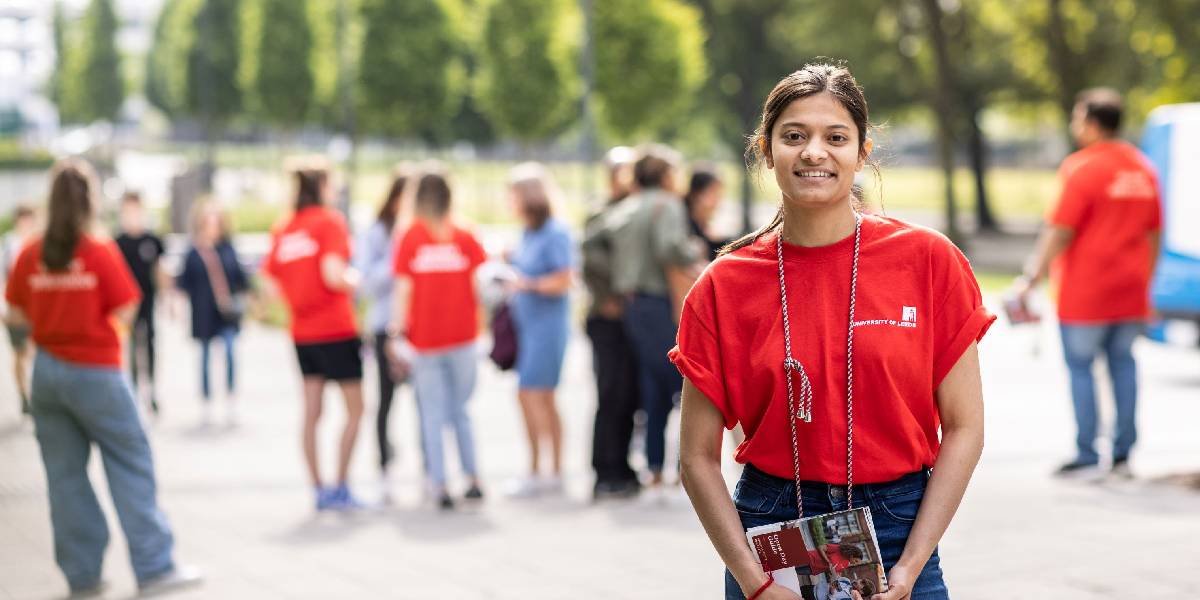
[522, 284]
[900, 584]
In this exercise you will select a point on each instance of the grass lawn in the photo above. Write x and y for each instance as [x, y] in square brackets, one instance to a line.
[481, 194]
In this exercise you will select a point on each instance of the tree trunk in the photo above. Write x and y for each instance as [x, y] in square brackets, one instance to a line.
[1064, 60]
[977, 152]
[946, 87]
[209, 167]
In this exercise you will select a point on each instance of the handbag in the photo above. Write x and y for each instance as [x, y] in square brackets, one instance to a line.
[231, 306]
[234, 310]
[504, 338]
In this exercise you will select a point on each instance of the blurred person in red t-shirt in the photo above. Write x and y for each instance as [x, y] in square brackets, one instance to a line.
[309, 261]
[435, 320]
[73, 289]
[1103, 236]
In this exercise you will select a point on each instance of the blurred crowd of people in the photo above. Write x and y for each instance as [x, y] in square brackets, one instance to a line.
[417, 271]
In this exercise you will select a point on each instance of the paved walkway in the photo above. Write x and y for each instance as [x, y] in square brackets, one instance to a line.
[241, 508]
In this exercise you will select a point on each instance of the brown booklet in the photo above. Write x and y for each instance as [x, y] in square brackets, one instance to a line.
[834, 556]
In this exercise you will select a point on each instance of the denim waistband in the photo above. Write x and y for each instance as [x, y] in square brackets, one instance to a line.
[910, 482]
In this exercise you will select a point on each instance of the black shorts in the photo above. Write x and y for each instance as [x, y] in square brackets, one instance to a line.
[339, 360]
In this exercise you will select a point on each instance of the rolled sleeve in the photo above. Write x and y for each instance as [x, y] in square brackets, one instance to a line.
[960, 318]
[697, 355]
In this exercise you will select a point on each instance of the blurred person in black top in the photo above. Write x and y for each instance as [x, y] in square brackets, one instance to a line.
[142, 251]
[704, 195]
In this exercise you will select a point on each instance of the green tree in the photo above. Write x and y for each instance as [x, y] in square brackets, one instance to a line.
[284, 79]
[167, 60]
[59, 32]
[528, 81]
[649, 63]
[213, 95]
[752, 44]
[94, 86]
[412, 76]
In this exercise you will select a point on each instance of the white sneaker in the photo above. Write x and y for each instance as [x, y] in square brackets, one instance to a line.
[207, 414]
[385, 489]
[654, 494]
[523, 488]
[552, 485]
[177, 579]
[231, 415]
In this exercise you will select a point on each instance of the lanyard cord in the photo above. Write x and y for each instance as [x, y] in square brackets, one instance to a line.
[803, 409]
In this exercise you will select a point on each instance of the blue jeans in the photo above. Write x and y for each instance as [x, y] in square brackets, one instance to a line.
[762, 499]
[227, 336]
[651, 328]
[444, 382]
[1081, 344]
[74, 407]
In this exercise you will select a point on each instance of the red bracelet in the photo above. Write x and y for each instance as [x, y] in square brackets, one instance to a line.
[766, 584]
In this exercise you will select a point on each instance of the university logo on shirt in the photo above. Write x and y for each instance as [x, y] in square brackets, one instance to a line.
[1131, 185]
[908, 319]
[74, 278]
[295, 246]
[439, 258]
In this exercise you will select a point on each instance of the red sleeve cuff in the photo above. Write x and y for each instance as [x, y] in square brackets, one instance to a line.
[972, 330]
[705, 381]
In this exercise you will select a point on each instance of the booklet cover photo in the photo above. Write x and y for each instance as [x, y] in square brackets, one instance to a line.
[834, 556]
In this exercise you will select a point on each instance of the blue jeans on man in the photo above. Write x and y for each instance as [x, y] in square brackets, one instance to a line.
[650, 325]
[75, 406]
[1081, 344]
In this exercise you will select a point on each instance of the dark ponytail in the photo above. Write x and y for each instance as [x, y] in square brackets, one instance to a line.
[70, 211]
[810, 80]
[310, 183]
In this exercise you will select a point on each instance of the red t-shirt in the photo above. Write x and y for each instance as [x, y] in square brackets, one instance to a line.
[836, 559]
[319, 314]
[1110, 200]
[71, 310]
[918, 309]
[442, 309]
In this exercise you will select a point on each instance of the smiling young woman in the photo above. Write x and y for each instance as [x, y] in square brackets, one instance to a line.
[878, 346]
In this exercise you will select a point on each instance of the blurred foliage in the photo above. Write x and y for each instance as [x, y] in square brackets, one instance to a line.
[166, 62]
[650, 64]
[528, 80]
[58, 32]
[213, 95]
[253, 215]
[682, 71]
[14, 157]
[283, 80]
[91, 86]
[415, 78]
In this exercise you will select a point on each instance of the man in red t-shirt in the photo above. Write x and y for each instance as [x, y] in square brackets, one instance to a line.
[1104, 233]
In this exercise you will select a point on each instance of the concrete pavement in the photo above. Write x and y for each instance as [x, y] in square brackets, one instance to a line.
[241, 508]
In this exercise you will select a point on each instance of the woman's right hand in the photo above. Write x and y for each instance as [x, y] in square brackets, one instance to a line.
[773, 592]
[778, 592]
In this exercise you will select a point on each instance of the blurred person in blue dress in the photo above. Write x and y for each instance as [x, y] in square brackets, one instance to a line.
[544, 260]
